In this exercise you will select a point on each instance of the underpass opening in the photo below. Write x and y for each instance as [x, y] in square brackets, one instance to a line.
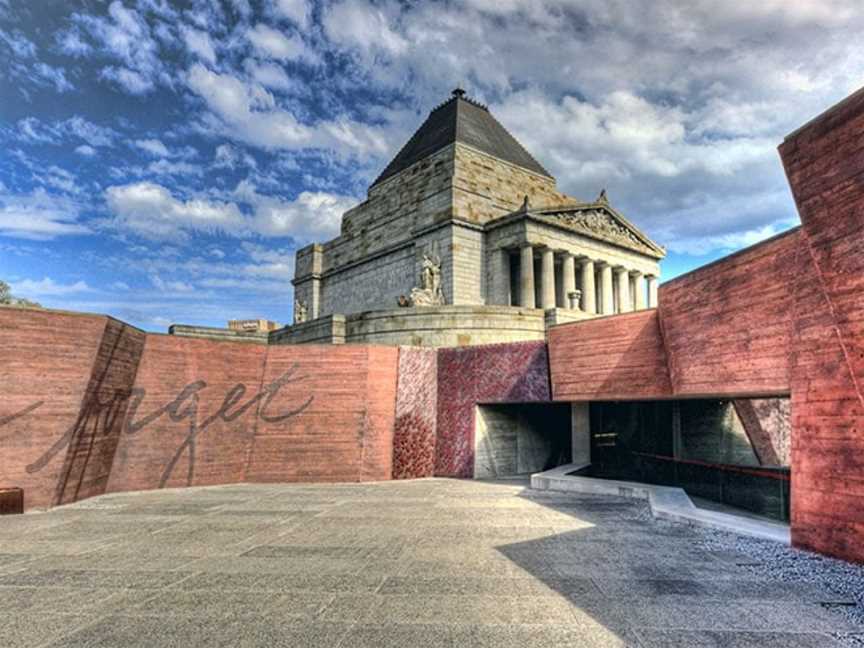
[521, 438]
[730, 452]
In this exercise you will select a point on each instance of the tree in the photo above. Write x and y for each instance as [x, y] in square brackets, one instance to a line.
[8, 299]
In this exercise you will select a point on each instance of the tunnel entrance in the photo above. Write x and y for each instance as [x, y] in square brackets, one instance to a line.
[731, 452]
[518, 439]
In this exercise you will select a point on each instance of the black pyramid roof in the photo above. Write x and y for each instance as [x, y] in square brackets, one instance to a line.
[461, 120]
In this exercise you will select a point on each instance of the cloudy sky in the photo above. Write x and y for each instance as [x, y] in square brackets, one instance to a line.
[161, 161]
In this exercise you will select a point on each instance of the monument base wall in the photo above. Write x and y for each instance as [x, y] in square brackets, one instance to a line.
[430, 326]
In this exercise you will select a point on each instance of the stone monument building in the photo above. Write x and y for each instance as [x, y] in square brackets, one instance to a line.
[464, 200]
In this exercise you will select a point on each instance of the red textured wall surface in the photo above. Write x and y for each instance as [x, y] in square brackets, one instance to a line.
[46, 363]
[344, 397]
[174, 434]
[609, 358]
[92, 405]
[723, 330]
[824, 162]
[98, 430]
[727, 326]
[497, 373]
[416, 414]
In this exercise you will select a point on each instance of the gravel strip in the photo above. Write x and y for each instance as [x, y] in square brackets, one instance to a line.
[775, 561]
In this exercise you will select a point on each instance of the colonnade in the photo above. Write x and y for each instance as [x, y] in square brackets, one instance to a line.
[603, 288]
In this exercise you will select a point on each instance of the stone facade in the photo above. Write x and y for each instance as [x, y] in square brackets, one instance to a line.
[476, 211]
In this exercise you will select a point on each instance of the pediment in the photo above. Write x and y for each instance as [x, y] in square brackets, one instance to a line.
[602, 222]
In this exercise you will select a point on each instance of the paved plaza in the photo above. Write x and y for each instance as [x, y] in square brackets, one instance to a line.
[429, 562]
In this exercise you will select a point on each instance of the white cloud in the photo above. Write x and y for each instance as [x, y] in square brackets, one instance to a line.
[149, 210]
[229, 157]
[70, 43]
[275, 44]
[693, 194]
[296, 10]
[199, 43]
[132, 81]
[49, 75]
[242, 7]
[125, 36]
[34, 130]
[20, 45]
[152, 146]
[273, 76]
[169, 168]
[251, 114]
[313, 214]
[31, 129]
[75, 128]
[91, 133]
[171, 286]
[47, 287]
[39, 216]
[85, 150]
[354, 23]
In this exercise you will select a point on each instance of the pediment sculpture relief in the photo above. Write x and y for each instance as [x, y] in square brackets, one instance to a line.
[598, 223]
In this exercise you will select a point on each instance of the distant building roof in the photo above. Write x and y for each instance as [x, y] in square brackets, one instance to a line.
[461, 119]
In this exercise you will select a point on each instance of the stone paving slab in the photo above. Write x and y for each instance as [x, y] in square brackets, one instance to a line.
[429, 562]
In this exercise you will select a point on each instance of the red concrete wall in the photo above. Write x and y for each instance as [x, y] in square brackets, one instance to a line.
[824, 162]
[46, 364]
[344, 400]
[91, 405]
[90, 456]
[609, 358]
[178, 430]
[416, 414]
[727, 326]
[723, 330]
[497, 373]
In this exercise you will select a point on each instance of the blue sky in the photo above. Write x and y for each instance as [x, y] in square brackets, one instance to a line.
[161, 161]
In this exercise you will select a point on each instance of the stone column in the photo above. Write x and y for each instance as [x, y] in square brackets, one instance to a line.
[589, 301]
[607, 299]
[652, 291]
[547, 279]
[623, 277]
[500, 278]
[568, 278]
[639, 281]
[526, 277]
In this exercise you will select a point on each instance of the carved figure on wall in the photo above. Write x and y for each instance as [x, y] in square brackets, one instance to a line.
[300, 312]
[429, 293]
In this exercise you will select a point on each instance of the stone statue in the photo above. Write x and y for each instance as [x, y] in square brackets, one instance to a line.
[429, 293]
[300, 312]
[575, 299]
